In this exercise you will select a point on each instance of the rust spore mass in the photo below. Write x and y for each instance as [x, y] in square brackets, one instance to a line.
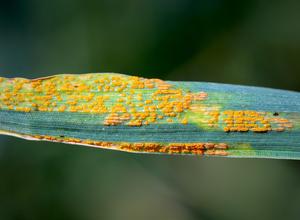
[171, 148]
[260, 122]
[128, 100]
[140, 115]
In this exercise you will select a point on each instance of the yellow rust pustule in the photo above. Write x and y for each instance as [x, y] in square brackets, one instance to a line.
[247, 120]
[218, 149]
[178, 148]
[128, 100]
[131, 101]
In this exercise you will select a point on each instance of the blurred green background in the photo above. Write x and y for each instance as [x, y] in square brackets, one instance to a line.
[239, 42]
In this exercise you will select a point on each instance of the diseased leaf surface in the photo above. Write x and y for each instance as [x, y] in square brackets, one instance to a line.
[129, 113]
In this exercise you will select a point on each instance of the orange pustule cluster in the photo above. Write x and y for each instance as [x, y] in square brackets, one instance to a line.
[247, 120]
[219, 149]
[119, 99]
[178, 148]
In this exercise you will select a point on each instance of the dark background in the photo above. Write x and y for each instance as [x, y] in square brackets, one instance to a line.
[239, 42]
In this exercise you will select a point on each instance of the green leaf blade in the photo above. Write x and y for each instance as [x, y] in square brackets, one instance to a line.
[119, 112]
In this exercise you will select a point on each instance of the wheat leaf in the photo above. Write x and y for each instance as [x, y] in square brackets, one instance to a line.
[127, 113]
